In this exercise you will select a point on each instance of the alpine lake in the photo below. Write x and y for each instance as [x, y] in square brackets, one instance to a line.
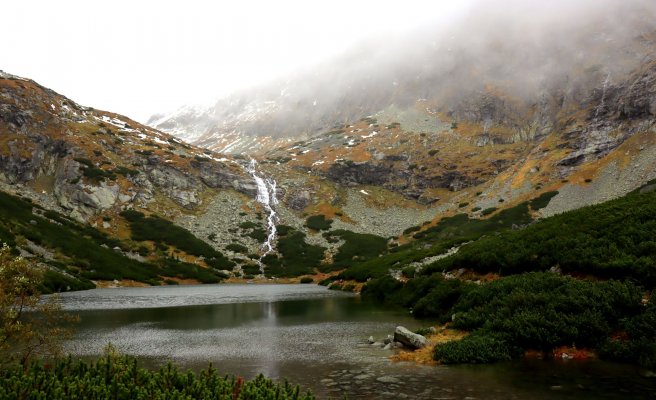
[316, 338]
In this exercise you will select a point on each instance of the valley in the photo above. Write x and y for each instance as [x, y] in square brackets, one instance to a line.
[493, 192]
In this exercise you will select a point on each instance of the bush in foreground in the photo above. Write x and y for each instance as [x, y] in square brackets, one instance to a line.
[542, 311]
[474, 349]
[119, 377]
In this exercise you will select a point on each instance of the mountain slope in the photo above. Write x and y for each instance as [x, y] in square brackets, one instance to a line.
[487, 67]
[79, 171]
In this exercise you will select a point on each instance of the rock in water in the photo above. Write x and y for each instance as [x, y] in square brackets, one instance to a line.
[410, 339]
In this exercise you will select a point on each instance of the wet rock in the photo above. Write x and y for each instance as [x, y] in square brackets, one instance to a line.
[408, 338]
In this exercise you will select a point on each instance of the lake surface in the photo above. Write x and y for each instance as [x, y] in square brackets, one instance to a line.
[317, 338]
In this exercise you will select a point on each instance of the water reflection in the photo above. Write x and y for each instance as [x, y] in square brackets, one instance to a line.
[317, 338]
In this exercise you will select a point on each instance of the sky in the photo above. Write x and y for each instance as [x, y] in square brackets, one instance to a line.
[139, 58]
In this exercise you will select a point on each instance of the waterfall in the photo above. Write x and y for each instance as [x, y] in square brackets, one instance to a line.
[266, 195]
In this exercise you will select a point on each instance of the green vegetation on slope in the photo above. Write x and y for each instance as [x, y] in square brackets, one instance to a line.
[122, 378]
[541, 311]
[450, 231]
[82, 252]
[610, 244]
[357, 248]
[318, 223]
[616, 239]
[297, 257]
[162, 231]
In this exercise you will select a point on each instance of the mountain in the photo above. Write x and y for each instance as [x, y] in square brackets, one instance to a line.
[486, 67]
[73, 180]
[455, 143]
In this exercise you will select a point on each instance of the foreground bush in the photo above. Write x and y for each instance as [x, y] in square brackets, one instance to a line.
[474, 349]
[542, 311]
[114, 377]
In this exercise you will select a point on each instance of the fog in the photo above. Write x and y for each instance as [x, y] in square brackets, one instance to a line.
[524, 50]
[140, 58]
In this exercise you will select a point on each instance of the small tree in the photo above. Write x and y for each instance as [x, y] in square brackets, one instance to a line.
[29, 326]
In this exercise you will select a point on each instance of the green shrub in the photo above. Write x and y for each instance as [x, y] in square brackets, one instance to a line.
[546, 310]
[297, 257]
[328, 281]
[163, 231]
[307, 279]
[542, 200]
[88, 251]
[411, 229]
[248, 225]
[258, 234]
[318, 223]
[609, 240]
[84, 161]
[488, 211]
[473, 349]
[357, 248]
[639, 346]
[251, 269]
[120, 377]
[237, 248]
[55, 282]
[125, 171]
[408, 272]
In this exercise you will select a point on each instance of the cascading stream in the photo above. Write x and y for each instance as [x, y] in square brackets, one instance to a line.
[266, 195]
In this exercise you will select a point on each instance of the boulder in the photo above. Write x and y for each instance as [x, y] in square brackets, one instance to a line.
[298, 200]
[408, 338]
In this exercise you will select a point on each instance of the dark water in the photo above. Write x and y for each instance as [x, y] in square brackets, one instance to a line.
[316, 338]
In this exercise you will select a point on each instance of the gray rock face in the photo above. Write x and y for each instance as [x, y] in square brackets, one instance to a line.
[217, 176]
[181, 188]
[43, 158]
[361, 173]
[298, 200]
[617, 112]
[81, 199]
[394, 174]
[408, 338]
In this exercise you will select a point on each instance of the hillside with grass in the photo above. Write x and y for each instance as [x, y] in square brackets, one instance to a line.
[581, 279]
[76, 254]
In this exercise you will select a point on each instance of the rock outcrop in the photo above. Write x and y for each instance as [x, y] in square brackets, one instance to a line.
[91, 161]
[409, 339]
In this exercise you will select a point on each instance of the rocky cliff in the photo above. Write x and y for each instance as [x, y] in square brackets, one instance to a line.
[88, 162]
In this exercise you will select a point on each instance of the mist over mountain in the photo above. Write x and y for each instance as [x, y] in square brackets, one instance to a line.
[525, 53]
